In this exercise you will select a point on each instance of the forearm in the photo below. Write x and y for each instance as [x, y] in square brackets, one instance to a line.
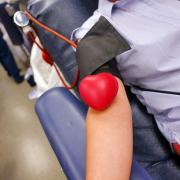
[109, 141]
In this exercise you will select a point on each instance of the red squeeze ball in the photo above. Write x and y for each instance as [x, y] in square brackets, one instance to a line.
[98, 91]
[176, 148]
[46, 57]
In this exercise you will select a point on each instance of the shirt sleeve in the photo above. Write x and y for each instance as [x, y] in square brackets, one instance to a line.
[80, 32]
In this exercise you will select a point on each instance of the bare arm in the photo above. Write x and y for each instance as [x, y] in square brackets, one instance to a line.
[109, 141]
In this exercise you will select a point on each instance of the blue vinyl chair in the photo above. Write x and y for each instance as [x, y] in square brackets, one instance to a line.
[62, 117]
[151, 149]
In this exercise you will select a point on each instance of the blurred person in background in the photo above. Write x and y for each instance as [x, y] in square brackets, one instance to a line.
[9, 25]
[8, 62]
[12, 34]
[10, 39]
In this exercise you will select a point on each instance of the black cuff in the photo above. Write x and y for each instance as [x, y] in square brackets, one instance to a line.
[99, 48]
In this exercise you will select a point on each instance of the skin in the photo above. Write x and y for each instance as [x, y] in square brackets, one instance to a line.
[109, 140]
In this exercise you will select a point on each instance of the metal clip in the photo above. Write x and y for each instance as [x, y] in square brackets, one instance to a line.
[21, 19]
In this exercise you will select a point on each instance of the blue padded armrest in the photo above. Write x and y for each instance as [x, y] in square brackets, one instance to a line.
[63, 119]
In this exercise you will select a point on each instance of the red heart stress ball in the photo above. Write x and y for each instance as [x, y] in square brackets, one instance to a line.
[98, 91]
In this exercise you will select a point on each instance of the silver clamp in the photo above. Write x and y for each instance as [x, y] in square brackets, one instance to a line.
[21, 19]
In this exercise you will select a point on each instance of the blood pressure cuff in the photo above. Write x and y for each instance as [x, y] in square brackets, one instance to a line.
[96, 52]
[63, 16]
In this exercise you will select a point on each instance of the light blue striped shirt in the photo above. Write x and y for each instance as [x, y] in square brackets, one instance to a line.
[152, 28]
